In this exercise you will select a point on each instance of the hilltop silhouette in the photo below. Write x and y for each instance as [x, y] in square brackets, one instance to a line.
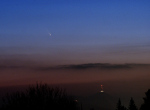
[98, 101]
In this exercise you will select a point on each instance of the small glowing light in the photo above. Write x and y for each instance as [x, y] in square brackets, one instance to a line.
[102, 88]
[76, 100]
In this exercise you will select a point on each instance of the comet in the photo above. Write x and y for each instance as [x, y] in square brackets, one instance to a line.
[49, 34]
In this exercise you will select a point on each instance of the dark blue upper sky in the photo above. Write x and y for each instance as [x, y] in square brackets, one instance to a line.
[75, 24]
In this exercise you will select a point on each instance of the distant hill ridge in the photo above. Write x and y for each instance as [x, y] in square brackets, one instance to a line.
[98, 101]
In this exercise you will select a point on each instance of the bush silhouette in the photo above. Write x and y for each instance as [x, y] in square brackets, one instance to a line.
[39, 97]
[120, 106]
[132, 105]
[146, 104]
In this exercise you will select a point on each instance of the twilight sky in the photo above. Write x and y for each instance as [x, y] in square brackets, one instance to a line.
[92, 40]
[82, 31]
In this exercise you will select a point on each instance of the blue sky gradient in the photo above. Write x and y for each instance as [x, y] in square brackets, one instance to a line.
[82, 27]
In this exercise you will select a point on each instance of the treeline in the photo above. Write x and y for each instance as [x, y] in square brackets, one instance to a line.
[39, 97]
[43, 97]
[132, 106]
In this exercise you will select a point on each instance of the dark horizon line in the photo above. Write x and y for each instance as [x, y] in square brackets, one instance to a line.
[74, 66]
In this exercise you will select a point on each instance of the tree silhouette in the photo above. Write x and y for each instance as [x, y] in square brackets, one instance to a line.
[120, 106]
[39, 97]
[146, 104]
[132, 105]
